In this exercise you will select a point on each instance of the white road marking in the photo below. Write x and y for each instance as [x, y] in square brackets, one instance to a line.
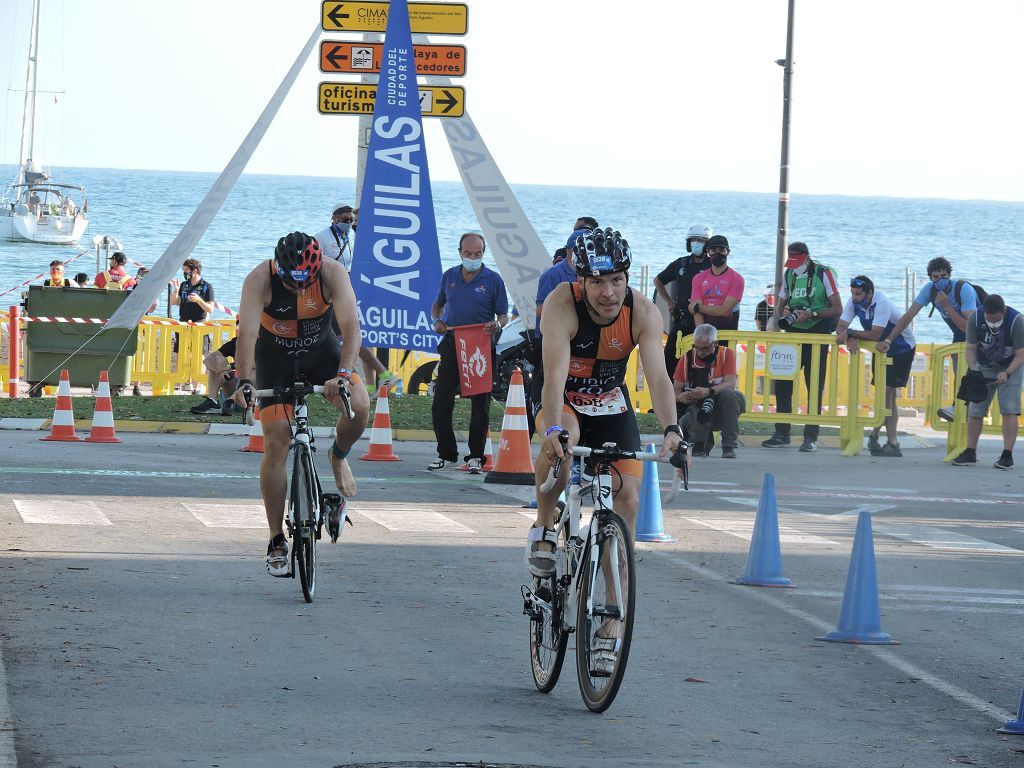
[893, 593]
[60, 510]
[855, 512]
[881, 653]
[410, 520]
[744, 529]
[228, 515]
[861, 488]
[751, 502]
[939, 538]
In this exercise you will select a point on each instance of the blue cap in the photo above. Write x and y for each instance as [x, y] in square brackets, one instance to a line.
[571, 242]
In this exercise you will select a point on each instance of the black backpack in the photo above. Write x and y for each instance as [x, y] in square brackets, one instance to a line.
[957, 291]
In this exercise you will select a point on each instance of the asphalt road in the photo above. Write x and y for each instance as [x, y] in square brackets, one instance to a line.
[138, 625]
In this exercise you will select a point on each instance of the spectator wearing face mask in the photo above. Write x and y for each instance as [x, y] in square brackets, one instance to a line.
[808, 303]
[878, 316]
[705, 384]
[716, 293]
[193, 297]
[338, 242]
[995, 348]
[955, 300]
[56, 278]
[674, 283]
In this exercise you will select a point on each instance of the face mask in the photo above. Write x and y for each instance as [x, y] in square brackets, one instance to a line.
[801, 270]
[994, 327]
[709, 354]
[472, 265]
[344, 226]
[862, 304]
[696, 248]
[719, 259]
[188, 275]
[943, 284]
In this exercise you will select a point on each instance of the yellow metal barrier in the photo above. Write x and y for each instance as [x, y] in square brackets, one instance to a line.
[159, 365]
[944, 381]
[848, 401]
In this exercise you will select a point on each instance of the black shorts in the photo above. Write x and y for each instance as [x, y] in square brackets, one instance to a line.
[276, 369]
[619, 428]
[897, 373]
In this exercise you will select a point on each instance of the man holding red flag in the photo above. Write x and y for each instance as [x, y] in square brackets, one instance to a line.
[470, 310]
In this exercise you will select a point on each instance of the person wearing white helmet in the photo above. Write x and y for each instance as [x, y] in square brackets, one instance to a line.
[673, 285]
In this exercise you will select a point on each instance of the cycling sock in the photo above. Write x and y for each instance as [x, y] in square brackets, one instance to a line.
[338, 453]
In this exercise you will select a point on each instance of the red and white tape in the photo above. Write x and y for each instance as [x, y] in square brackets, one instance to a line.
[100, 321]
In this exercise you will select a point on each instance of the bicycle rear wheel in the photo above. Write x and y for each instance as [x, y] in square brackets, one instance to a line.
[604, 632]
[303, 516]
[548, 638]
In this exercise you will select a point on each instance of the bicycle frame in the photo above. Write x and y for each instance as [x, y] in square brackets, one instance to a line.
[302, 435]
[583, 554]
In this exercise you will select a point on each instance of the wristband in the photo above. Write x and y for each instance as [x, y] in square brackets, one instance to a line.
[673, 428]
[554, 428]
[344, 373]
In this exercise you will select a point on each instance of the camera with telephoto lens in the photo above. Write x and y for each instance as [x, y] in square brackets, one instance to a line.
[701, 378]
[788, 319]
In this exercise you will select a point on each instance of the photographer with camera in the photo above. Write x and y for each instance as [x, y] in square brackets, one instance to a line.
[677, 298]
[808, 303]
[705, 383]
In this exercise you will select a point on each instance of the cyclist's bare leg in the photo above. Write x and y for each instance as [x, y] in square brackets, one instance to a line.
[626, 491]
[277, 435]
[546, 501]
[346, 433]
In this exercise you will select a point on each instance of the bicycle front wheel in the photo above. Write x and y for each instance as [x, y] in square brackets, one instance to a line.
[548, 638]
[604, 623]
[303, 512]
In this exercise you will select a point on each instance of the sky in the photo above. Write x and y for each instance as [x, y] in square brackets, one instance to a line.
[904, 99]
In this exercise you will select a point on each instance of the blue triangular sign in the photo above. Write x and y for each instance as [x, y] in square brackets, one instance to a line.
[396, 267]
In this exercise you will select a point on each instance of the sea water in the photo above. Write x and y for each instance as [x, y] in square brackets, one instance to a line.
[889, 239]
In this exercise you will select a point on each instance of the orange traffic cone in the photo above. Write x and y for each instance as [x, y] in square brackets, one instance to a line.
[255, 444]
[514, 465]
[380, 435]
[62, 428]
[488, 456]
[103, 416]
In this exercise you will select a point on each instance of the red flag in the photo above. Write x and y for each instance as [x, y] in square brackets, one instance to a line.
[473, 357]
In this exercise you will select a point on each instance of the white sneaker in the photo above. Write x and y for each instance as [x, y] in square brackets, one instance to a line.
[475, 466]
[440, 465]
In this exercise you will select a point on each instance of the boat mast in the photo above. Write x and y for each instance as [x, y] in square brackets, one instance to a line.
[35, 77]
[28, 113]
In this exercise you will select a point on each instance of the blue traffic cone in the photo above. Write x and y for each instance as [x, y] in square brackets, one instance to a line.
[649, 523]
[1015, 726]
[860, 619]
[764, 561]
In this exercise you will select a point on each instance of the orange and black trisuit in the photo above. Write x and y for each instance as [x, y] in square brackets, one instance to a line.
[295, 342]
[595, 389]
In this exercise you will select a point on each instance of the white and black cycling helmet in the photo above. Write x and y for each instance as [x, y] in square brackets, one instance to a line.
[601, 252]
[698, 232]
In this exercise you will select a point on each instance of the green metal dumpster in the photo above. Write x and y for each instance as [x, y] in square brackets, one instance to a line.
[49, 344]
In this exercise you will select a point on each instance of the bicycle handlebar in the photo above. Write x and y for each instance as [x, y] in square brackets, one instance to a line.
[298, 387]
[609, 453]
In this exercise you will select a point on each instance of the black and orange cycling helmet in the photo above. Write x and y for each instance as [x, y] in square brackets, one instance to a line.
[297, 259]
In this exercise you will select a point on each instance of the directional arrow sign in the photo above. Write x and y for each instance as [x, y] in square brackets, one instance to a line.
[365, 58]
[358, 99]
[425, 18]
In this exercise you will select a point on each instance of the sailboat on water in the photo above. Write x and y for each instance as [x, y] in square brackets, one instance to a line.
[35, 208]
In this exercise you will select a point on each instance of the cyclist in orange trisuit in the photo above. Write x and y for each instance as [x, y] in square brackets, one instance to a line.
[589, 328]
[284, 336]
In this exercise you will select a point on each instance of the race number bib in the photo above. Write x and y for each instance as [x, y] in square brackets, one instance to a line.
[602, 404]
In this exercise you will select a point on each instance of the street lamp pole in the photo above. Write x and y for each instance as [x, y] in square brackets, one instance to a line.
[787, 99]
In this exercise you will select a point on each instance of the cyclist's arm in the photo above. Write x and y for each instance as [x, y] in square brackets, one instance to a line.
[653, 359]
[343, 299]
[255, 292]
[558, 324]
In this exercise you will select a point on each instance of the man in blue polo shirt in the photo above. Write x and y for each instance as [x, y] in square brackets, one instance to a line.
[470, 294]
[955, 300]
[878, 317]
